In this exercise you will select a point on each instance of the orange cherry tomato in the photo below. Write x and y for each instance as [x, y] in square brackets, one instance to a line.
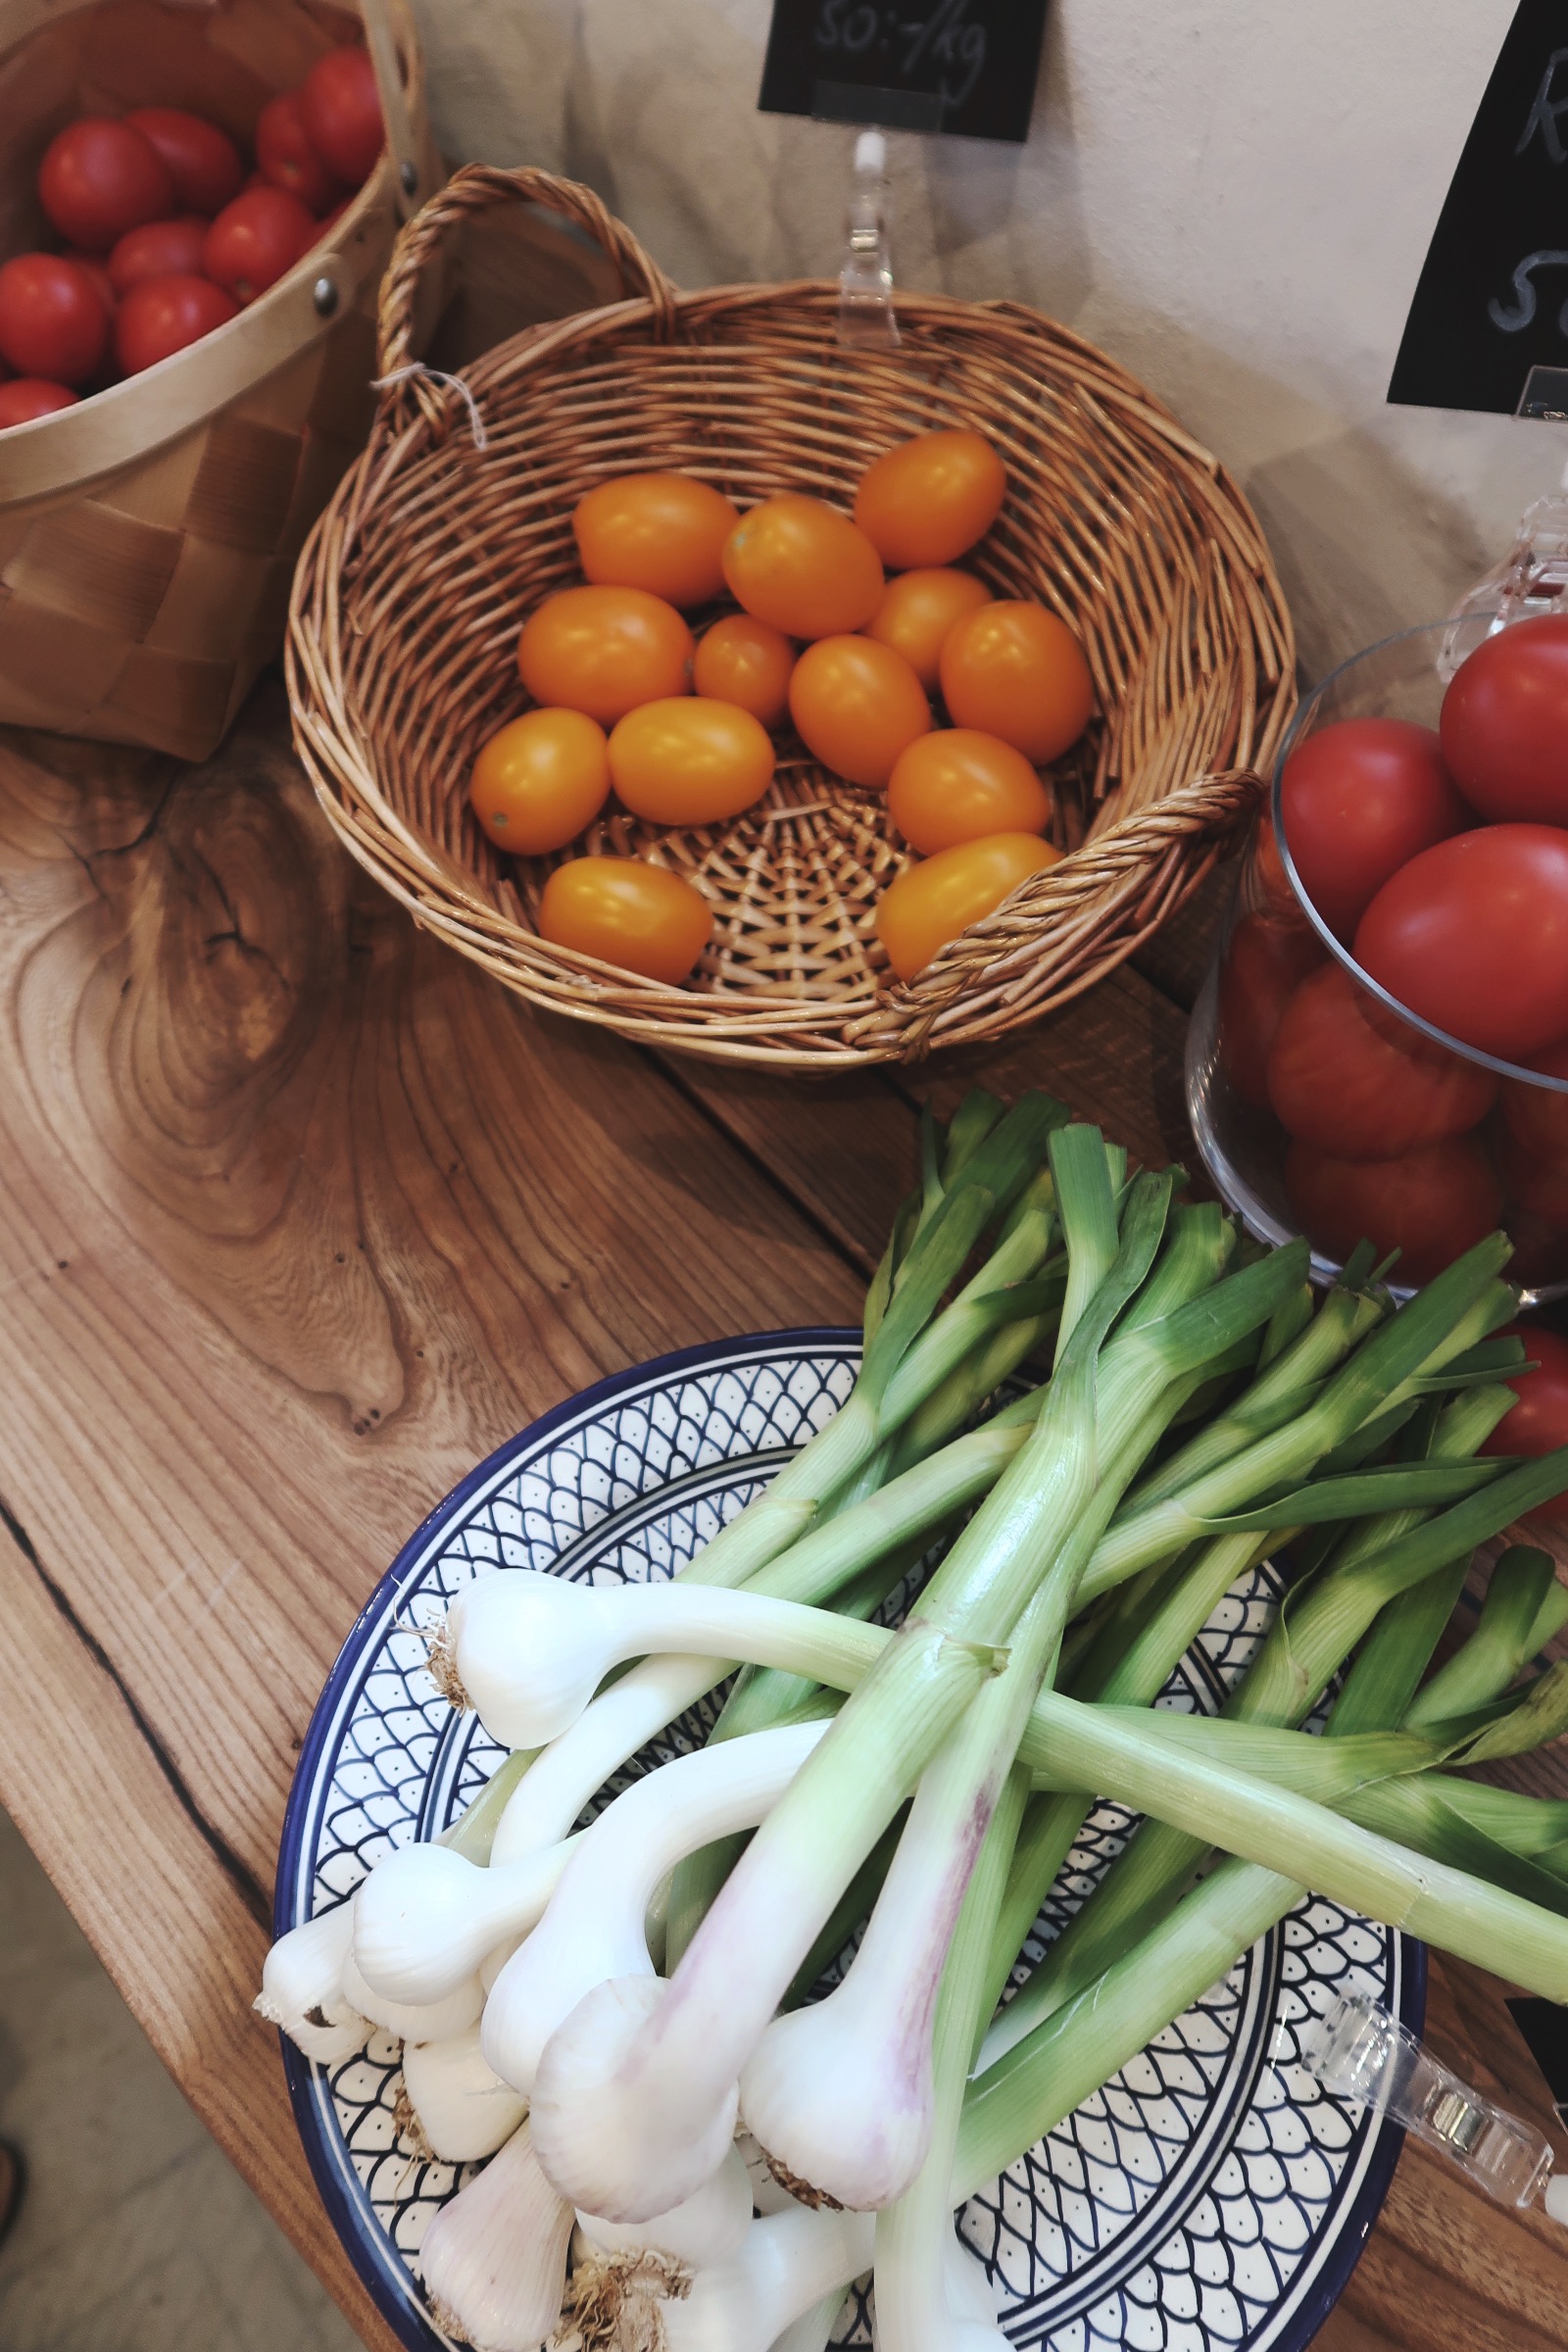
[931, 497]
[685, 762]
[802, 568]
[930, 903]
[623, 911]
[604, 650]
[661, 532]
[956, 785]
[856, 706]
[744, 661]
[1017, 671]
[540, 781]
[917, 613]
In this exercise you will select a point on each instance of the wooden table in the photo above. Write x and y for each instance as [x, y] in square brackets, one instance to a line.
[299, 1216]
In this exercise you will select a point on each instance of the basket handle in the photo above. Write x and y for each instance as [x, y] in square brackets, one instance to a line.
[475, 189]
[381, 42]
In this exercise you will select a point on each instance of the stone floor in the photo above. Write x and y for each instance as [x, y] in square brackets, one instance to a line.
[134, 2235]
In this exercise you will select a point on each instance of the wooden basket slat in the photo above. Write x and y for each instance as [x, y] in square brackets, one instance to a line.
[415, 584]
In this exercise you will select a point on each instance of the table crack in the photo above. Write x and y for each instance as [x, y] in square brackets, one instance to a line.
[253, 1894]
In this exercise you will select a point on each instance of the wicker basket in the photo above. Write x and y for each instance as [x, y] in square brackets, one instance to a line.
[148, 537]
[412, 588]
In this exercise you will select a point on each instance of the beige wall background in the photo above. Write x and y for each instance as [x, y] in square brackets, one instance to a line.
[1232, 196]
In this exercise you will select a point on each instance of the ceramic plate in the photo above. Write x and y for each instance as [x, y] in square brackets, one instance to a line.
[1211, 2198]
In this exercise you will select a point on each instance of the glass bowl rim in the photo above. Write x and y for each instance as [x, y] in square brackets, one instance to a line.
[1335, 946]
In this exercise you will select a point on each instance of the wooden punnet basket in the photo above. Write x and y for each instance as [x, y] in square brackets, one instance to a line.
[148, 536]
[415, 582]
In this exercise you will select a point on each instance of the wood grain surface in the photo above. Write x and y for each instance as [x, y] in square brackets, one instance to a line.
[299, 1216]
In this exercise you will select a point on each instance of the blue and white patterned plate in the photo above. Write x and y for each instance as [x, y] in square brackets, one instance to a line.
[1211, 2198]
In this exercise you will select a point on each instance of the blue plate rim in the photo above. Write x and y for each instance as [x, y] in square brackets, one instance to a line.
[1298, 2324]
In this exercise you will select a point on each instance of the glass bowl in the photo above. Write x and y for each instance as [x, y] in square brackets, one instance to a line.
[1272, 937]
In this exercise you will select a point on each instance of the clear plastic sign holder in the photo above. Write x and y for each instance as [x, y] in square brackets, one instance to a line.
[1358, 2051]
[866, 321]
[1530, 580]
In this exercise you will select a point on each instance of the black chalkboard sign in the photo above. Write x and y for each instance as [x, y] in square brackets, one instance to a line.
[962, 66]
[1489, 327]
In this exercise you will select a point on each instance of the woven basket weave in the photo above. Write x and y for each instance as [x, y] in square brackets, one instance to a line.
[413, 586]
[148, 536]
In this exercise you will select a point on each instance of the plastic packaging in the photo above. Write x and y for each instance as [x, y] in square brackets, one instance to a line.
[1532, 580]
[1361, 2052]
[865, 281]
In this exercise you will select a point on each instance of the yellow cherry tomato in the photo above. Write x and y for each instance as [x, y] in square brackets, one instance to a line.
[917, 613]
[744, 661]
[624, 911]
[802, 568]
[930, 903]
[604, 651]
[686, 761]
[665, 532]
[540, 781]
[857, 705]
[1017, 671]
[957, 785]
[931, 497]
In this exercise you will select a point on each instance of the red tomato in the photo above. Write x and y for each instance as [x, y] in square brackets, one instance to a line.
[1431, 1207]
[1473, 937]
[1333, 1081]
[1273, 883]
[1359, 800]
[97, 271]
[100, 177]
[163, 315]
[1264, 963]
[1539, 1422]
[285, 157]
[202, 161]
[1535, 1116]
[52, 319]
[1505, 724]
[160, 249]
[256, 240]
[342, 110]
[28, 396]
[1540, 1187]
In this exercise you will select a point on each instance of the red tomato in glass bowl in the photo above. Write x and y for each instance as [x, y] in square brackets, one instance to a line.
[53, 322]
[158, 249]
[26, 397]
[202, 161]
[1359, 800]
[1472, 935]
[342, 111]
[1505, 724]
[1431, 1205]
[1539, 1422]
[100, 177]
[1537, 1117]
[163, 315]
[1335, 1081]
[1265, 962]
[256, 240]
[285, 157]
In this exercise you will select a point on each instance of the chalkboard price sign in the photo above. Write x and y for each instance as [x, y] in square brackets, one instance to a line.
[1489, 327]
[962, 66]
